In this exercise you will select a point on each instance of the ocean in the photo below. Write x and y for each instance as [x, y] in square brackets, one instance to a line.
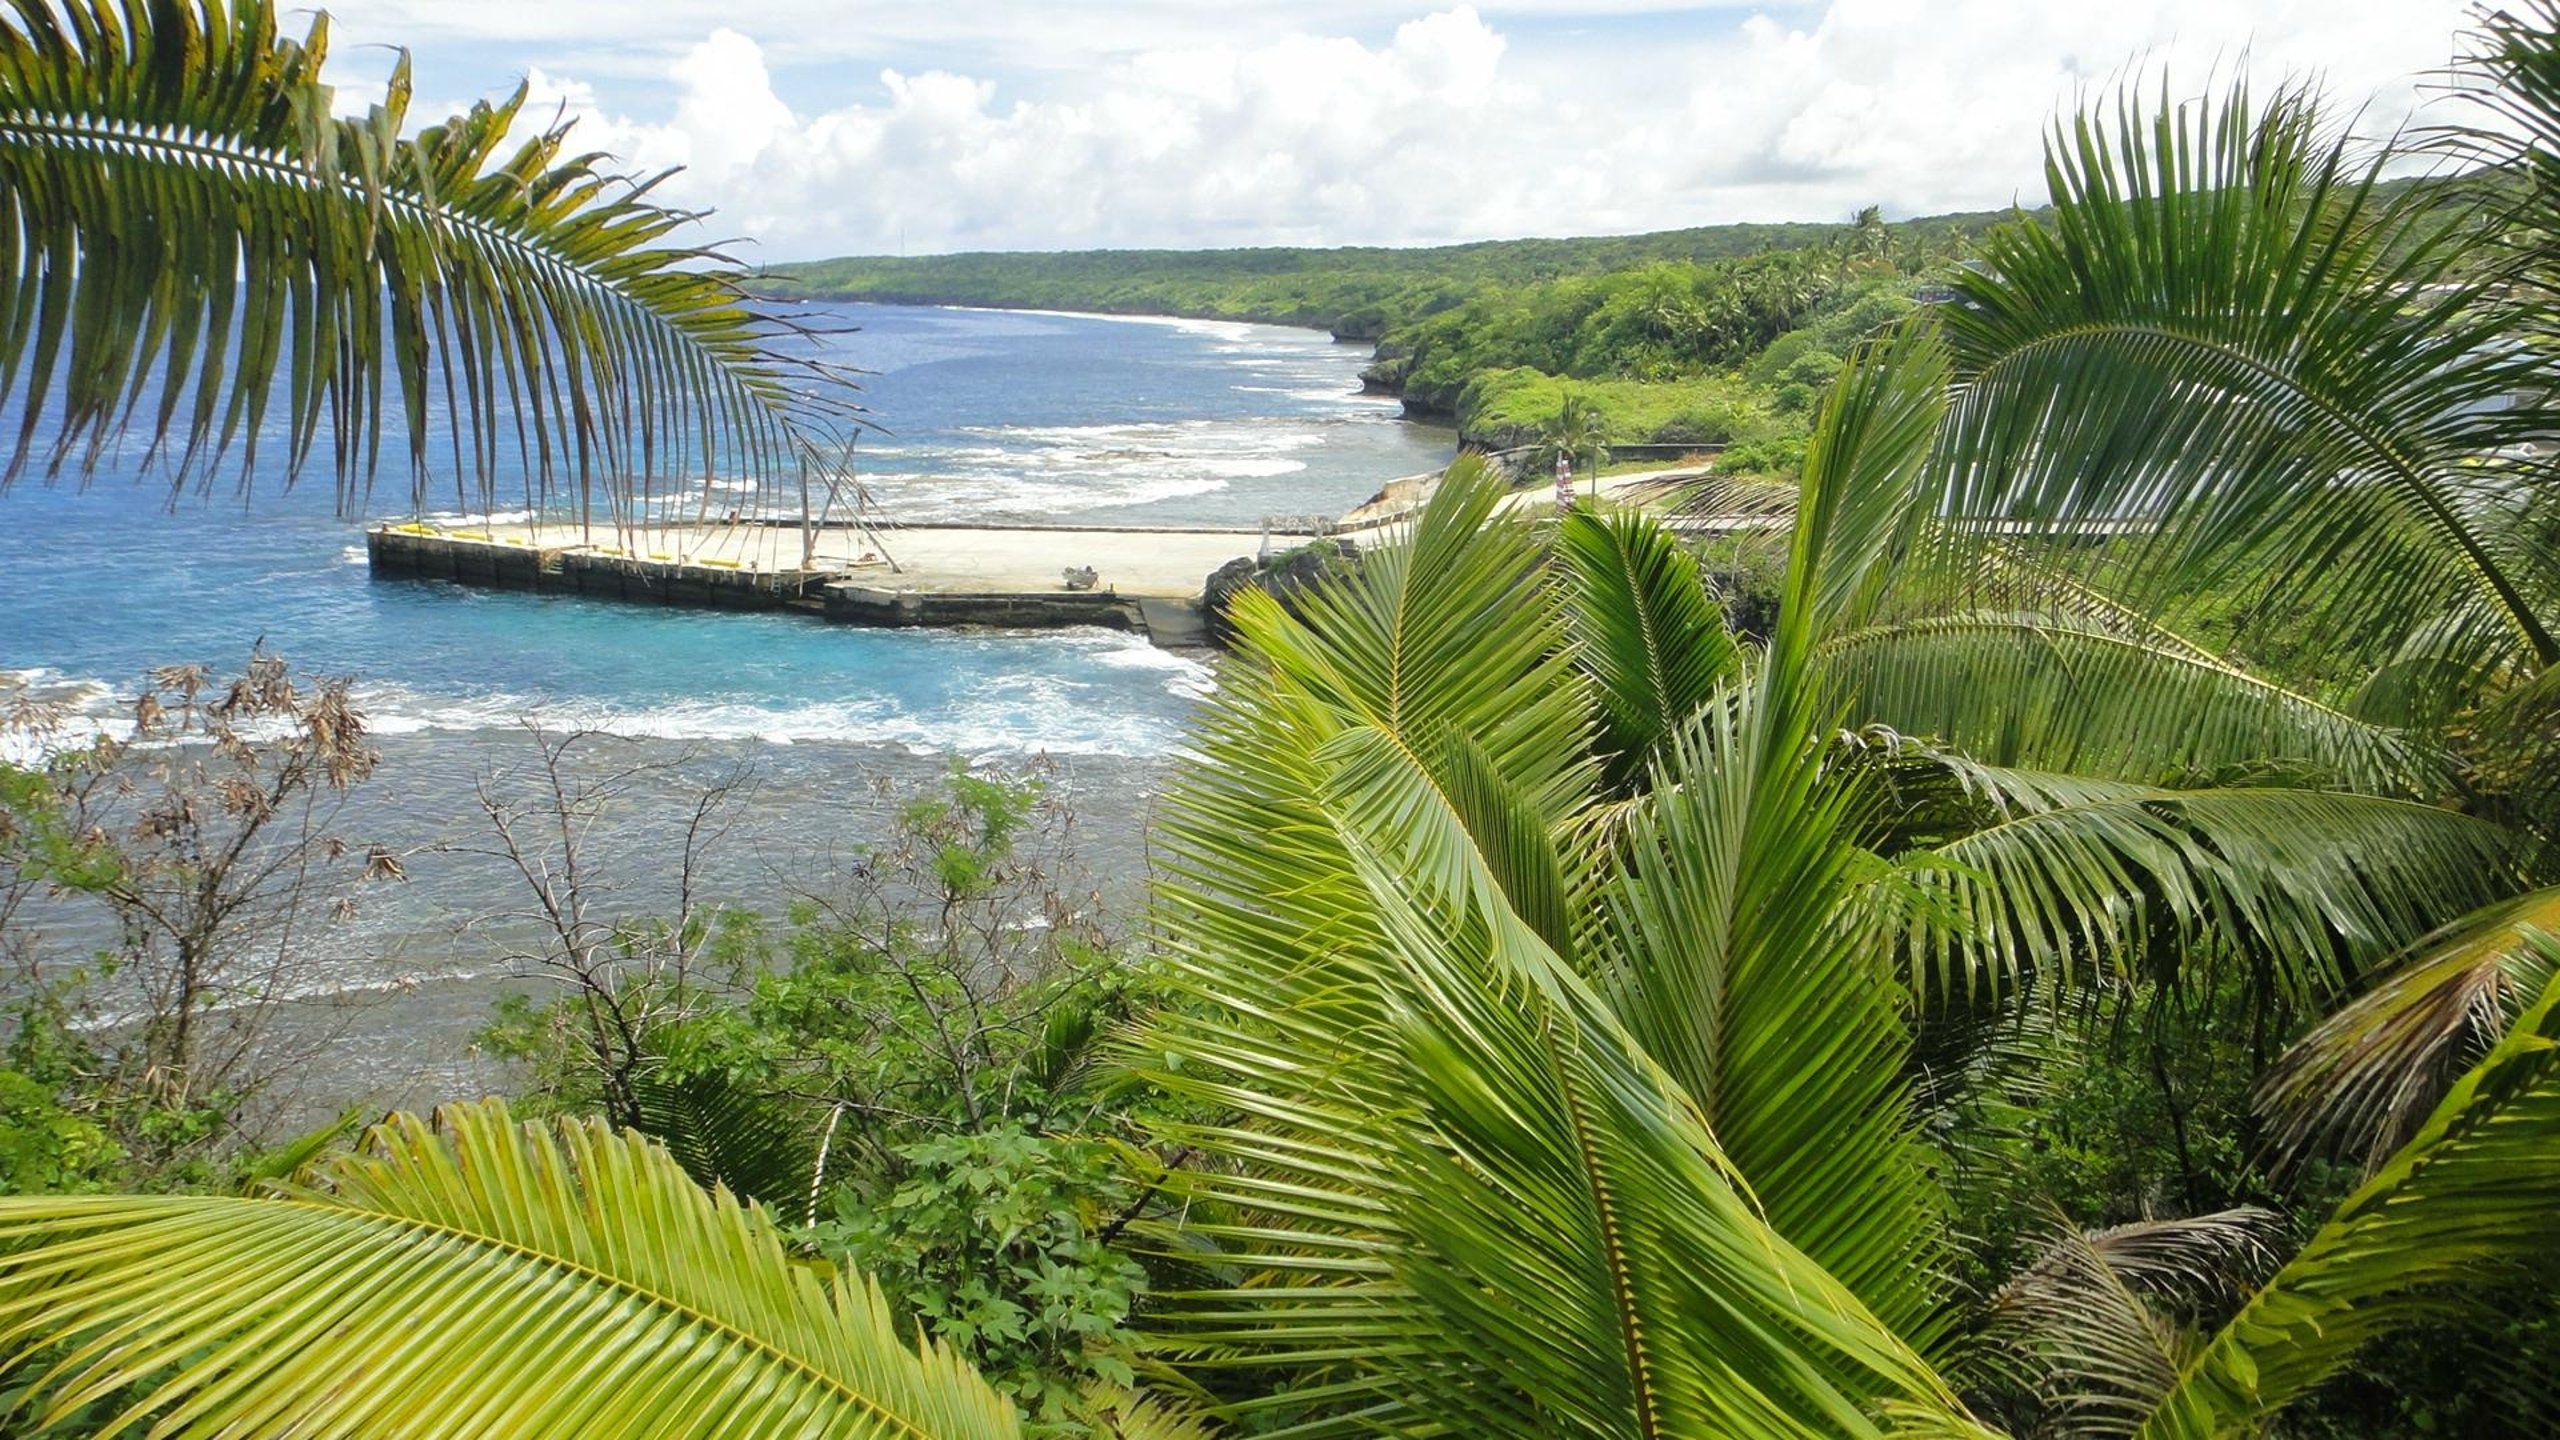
[985, 415]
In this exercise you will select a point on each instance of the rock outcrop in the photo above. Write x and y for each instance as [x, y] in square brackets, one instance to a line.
[1284, 577]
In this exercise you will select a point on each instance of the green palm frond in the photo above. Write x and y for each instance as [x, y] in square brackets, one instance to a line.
[1383, 699]
[1447, 647]
[1934, 795]
[2472, 1192]
[1863, 506]
[1573, 1221]
[189, 237]
[471, 1278]
[1119, 1415]
[2052, 692]
[1451, 1191]
[1453, 630]
[1646, 632]
[1725, 950]
[2366, 1077]
[2513, 66]
[726, 1134]
[1484, 1207]
[2231, 352]
[2325, 884]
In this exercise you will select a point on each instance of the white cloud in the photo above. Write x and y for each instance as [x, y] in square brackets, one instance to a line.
[1443, 126]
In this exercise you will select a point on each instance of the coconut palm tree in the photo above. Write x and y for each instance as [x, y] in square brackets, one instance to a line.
[1501, 1051]
[2234, 365]
[1469, 879]
[474, 1277]
[1545, 1107]
[1577, 434]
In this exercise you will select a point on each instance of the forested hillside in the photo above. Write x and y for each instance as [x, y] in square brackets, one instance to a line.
[1720, 335]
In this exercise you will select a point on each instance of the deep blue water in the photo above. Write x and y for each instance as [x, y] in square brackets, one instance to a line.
[990, 415]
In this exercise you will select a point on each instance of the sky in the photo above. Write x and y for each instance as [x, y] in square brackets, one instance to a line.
[881, 127]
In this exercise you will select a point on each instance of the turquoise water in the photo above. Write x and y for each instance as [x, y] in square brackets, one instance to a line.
[990, 415]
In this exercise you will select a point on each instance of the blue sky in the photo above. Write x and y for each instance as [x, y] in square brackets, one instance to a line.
[819, 127]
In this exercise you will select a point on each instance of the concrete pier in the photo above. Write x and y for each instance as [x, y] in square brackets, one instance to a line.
[1147, 581]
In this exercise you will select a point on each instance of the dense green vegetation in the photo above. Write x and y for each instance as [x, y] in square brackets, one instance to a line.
[1934, 992]
[1353, 291]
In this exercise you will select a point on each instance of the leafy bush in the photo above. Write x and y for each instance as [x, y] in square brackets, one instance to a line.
[998, 1241]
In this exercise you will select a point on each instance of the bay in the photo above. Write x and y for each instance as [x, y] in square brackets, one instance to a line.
[985, 415]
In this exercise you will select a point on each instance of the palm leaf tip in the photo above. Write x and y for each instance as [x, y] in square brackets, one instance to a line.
[2225, 315]
[2362, 1080]
[449, 1278]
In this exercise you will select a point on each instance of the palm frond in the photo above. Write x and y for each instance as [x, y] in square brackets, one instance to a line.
[1648, 1296]
[2364, 1079]
[1450, 1190]
[1455, 629]
[2234, 359]
[473, 1277]
[1727, 950]
[1484, 1207]
[2470, 1193]
[2050, 692]
[2323, 883]
[2091, 1328]
[1120, 1415]
[188, 236]
[2511, 73]
[1382, 700]
[1864, 505]
[1646, 632]
[1448, 647]
[1932, 795]
[725, 1134]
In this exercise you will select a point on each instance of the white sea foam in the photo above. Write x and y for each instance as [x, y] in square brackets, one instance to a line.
[1184, 676]
[476, 517]
[1223, 329]
[45, 712]
[1316, 392]
[1052, 709]
[1016, 470]
[1032, 716]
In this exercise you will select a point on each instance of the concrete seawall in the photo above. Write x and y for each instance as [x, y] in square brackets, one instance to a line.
[399, 552]
[859, 604]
